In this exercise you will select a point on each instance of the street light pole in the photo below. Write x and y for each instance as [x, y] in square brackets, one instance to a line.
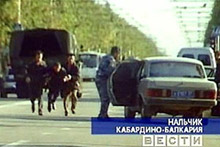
[19, 12]
[51, 13]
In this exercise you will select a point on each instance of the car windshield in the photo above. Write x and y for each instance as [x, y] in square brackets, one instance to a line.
[89, 60]
[176, 69]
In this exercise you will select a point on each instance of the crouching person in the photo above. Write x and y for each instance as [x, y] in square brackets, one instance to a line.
[71, 86]
[55, 84]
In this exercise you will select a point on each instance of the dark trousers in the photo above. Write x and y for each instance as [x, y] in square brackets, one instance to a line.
[52, 95]
[104, 98]
[40, 102]
[36, 91]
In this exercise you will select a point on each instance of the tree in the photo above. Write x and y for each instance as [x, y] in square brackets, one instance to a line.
[215, 21]
[95, 26]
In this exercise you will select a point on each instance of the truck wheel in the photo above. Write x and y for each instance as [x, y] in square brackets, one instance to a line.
[21, 90]
[4, 95]
[128, 112]
[21, 94]
[146, 111]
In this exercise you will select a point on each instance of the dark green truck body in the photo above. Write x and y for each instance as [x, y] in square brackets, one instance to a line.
[55, 44]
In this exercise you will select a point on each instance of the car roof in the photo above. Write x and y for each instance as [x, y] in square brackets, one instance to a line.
[204, 49]
[196, 48]
[172, 59]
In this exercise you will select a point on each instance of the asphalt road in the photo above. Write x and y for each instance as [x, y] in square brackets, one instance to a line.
[20, 127]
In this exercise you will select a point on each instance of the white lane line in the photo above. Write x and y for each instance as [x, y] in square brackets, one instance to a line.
[20, 142]
[14, 104]
[91, 95]
[65, 129]
[46, 133]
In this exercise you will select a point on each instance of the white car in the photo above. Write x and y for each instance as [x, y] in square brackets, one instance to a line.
[176, 86]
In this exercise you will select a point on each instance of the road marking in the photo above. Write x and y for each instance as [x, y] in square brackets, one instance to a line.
[14, 104]
[65, 129]
[47, 133]
[89, 94]
[20, 142]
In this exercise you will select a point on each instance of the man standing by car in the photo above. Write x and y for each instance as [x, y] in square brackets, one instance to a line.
[105, 69]
[36, 71]
[217, 73]
[216, 109]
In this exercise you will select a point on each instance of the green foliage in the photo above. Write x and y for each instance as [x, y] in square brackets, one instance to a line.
[95, 26]
[215, 21]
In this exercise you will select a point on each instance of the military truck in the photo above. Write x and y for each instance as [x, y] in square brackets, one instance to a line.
[55, 44]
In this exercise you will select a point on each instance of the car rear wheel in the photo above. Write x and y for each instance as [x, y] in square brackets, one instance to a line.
[193, 115]
[146, 111]
[128, 112]
[215, 111]
[197, 114]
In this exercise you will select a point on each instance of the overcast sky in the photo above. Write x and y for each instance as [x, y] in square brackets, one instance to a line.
[156, 18]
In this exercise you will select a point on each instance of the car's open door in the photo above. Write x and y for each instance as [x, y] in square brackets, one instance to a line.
[123, 83]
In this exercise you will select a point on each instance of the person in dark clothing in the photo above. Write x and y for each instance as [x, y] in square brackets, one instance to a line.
[55, 84]
[35, 78]
[216, 109]
[105, 69]
[217, 73]
[72, 84]
[71, 67]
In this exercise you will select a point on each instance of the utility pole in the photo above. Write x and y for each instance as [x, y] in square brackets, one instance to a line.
[51, 13]
[17, 25]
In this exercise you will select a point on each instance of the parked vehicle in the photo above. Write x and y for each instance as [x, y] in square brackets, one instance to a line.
[205, 55]
[9, 83]
[90, 64]
[55, 44]
[2, 75]
[176, 86]
[3, 72]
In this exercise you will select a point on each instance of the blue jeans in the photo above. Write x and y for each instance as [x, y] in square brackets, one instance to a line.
[101, 85]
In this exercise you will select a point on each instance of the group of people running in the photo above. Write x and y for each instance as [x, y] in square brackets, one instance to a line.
[64, 81]
[60, 79]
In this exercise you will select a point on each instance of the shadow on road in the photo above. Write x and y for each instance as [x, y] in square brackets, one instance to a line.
[89, 100]
[45, 98]
[47, 118]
